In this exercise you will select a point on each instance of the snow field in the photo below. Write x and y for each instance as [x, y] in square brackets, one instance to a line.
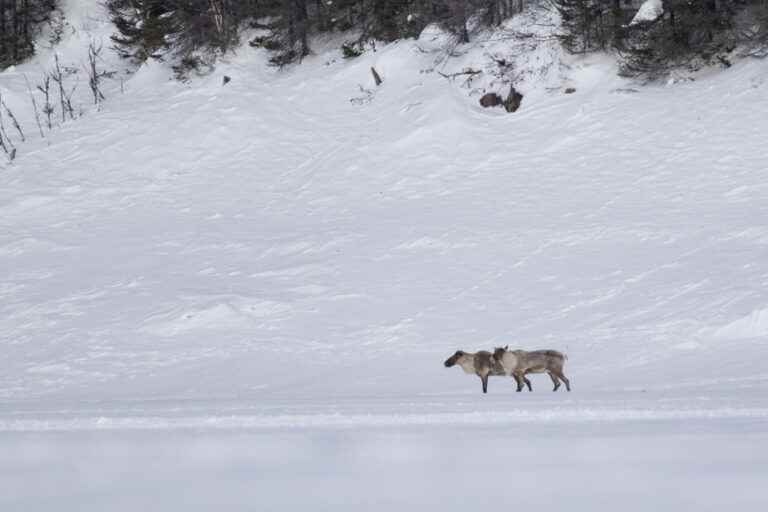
[242, 295]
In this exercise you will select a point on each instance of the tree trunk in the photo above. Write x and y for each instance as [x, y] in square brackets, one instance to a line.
[12, 33]
[2, 31]
[28, 46]
[618, 22]
[300, 22]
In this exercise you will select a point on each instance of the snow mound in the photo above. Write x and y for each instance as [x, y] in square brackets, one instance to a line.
[754, 325]
[232, 314]
[649, 11]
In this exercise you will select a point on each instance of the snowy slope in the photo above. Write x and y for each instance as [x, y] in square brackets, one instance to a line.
[288, 250]
[198, 238]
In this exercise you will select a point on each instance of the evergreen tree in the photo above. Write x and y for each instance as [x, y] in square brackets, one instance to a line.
[144, 27]
[19, 25]
[686, 34]
[153, 28]
[589, 25]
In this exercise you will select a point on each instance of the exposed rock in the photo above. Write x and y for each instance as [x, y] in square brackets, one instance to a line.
[490, 99]
[512, 103]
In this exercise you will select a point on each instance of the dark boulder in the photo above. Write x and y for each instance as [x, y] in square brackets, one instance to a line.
[512, 103]
[490, 99]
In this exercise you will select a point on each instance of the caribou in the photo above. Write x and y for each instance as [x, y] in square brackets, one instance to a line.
[480, 363]
[518, 363]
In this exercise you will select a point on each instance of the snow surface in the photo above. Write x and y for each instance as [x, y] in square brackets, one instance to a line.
[243, 294]
[630, 467]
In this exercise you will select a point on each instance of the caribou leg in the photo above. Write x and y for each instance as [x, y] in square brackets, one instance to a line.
[554, 381]
[484, 378]
[519, 379]
[562, 377]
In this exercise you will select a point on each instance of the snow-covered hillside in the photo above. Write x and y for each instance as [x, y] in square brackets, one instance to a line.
[300, 249]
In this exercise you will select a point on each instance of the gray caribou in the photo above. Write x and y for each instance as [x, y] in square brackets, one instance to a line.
[518, 363]
[480, 363]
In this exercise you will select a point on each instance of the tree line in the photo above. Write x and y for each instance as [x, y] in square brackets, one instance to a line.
[157, 27]
[707, 30]
[190, 31]
[687, 32]
[20, 21]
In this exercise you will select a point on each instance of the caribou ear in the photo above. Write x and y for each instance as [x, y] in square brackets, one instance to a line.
[506, 347]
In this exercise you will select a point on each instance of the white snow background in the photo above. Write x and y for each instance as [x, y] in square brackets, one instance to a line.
[241, 296]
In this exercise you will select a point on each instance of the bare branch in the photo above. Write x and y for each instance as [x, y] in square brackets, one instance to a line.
[94, 75]
[45, 88]
[468, 71]
[5, 142]
[34, 106]
[58, 77]
[12, 118]
[376, 77]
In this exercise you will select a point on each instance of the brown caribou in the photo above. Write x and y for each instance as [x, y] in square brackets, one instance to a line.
[480, 363]
[518, 363]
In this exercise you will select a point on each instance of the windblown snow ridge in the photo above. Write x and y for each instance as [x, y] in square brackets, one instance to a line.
[339, 420]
